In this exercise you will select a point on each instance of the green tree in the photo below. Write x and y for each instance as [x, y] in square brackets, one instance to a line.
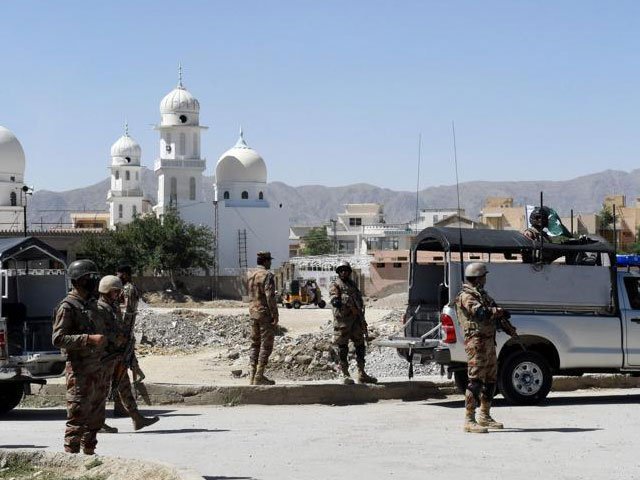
[148, 243]
[317, 242]
[606, 217]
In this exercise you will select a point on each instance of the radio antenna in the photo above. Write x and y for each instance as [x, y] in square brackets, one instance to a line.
[455, 159]
[418, 180]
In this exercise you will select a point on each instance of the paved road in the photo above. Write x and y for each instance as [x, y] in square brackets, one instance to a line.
[575, 435]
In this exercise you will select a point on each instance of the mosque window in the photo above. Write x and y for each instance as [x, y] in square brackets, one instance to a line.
[245, 195]
[127, 175]
[183, 118]
[12, 178]
[196, 147]
[261, 196]
[120, 209]
[173, 191]
[192, 188]
[117, 175]
[226, 195]
[134, 210]
[183, 142]
[128, 159]
[13, 199]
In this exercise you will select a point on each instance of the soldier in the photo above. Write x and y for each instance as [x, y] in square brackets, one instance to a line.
[119, 338]
[78, 331]
[480, 317]
[348, 323]
[263, 311]
[539, 220]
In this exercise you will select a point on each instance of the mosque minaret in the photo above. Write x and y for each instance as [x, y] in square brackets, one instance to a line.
[12, 193]
[125, 198]
[180, 166]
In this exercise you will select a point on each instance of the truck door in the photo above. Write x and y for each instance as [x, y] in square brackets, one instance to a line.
[630, 309]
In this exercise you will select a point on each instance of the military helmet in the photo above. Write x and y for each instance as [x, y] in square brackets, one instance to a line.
[108, 283]
[539, 216]
[80, 268]
[343, 265]
[476, 269]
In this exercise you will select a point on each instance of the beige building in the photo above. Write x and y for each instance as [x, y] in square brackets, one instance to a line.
[499, 213]
[627, 221]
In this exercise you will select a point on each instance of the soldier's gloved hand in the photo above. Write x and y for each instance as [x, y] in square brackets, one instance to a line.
[336, 302]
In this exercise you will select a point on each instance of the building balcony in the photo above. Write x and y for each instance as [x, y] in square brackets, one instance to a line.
[132, 192]
[180, 163]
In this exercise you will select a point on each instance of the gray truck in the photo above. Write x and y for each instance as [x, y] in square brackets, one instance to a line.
[33, 280]
[575, 311]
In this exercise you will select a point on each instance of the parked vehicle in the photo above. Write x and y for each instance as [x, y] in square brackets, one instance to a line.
[576, 313]
[302, 292]
[33, 280]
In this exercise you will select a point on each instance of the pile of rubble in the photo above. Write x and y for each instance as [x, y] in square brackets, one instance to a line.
[308, 356]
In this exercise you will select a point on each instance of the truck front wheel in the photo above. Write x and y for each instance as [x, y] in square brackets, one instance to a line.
[525, 378]
[10, 396]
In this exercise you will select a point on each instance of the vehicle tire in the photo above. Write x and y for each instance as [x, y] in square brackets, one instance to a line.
[288, 305]
[10, 396]
[322, 304]
[461, 380]
[525, 378]
[296, 304]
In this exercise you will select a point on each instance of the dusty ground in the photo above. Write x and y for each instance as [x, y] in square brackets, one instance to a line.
[211, 342]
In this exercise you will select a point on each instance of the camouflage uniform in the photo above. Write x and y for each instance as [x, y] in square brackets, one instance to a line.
[87, 378]
[349, 324]
[479, 316]
[263, 311]
[117, 339]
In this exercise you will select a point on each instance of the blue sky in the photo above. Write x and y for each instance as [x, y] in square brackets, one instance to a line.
[330, 92]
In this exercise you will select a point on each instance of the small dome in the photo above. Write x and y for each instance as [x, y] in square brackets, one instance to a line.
[11, 153]
[179, 100]
[126, 151]
[241, 164]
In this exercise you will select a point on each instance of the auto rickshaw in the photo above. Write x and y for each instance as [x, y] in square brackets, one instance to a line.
[302, 292]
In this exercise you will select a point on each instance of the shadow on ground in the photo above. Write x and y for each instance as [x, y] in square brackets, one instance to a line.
[555, 401]
[182, 430]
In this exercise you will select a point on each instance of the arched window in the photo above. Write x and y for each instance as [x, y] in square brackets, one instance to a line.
[192, 188]
[245, 195]
[13, 199]
[117, 174]
[173, 191]
[261, 196]
[226, 195]
[120, 211]
[134, 210]
[127, 175]
[183, 143]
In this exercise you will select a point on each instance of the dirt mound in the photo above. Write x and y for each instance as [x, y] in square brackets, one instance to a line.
[396, 300]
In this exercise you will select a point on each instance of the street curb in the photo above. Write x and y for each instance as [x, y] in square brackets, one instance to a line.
[284, 394]
[322, 393]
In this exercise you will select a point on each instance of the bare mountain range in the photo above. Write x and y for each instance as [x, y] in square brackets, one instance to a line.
[316, 204]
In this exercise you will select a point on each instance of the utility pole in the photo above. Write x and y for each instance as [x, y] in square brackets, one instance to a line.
[335, 238]
[25, 191]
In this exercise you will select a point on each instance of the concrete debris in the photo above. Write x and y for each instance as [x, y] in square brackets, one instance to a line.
[308, 356]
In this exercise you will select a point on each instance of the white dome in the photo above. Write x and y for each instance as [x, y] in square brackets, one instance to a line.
[179, 100]
[126, 151]
[241, 164]
[11, 153]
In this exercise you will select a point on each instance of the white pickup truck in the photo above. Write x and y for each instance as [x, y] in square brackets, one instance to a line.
[33, 281]
[575, 312]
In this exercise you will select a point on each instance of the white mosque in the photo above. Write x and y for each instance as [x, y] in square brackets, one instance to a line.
[241, 214]
[13, 192]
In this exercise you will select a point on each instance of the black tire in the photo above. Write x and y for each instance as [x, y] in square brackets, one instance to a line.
[288, 305]
[322, 304]
[10, 396]
[461, 380]
[525, 378]
[296, 304]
